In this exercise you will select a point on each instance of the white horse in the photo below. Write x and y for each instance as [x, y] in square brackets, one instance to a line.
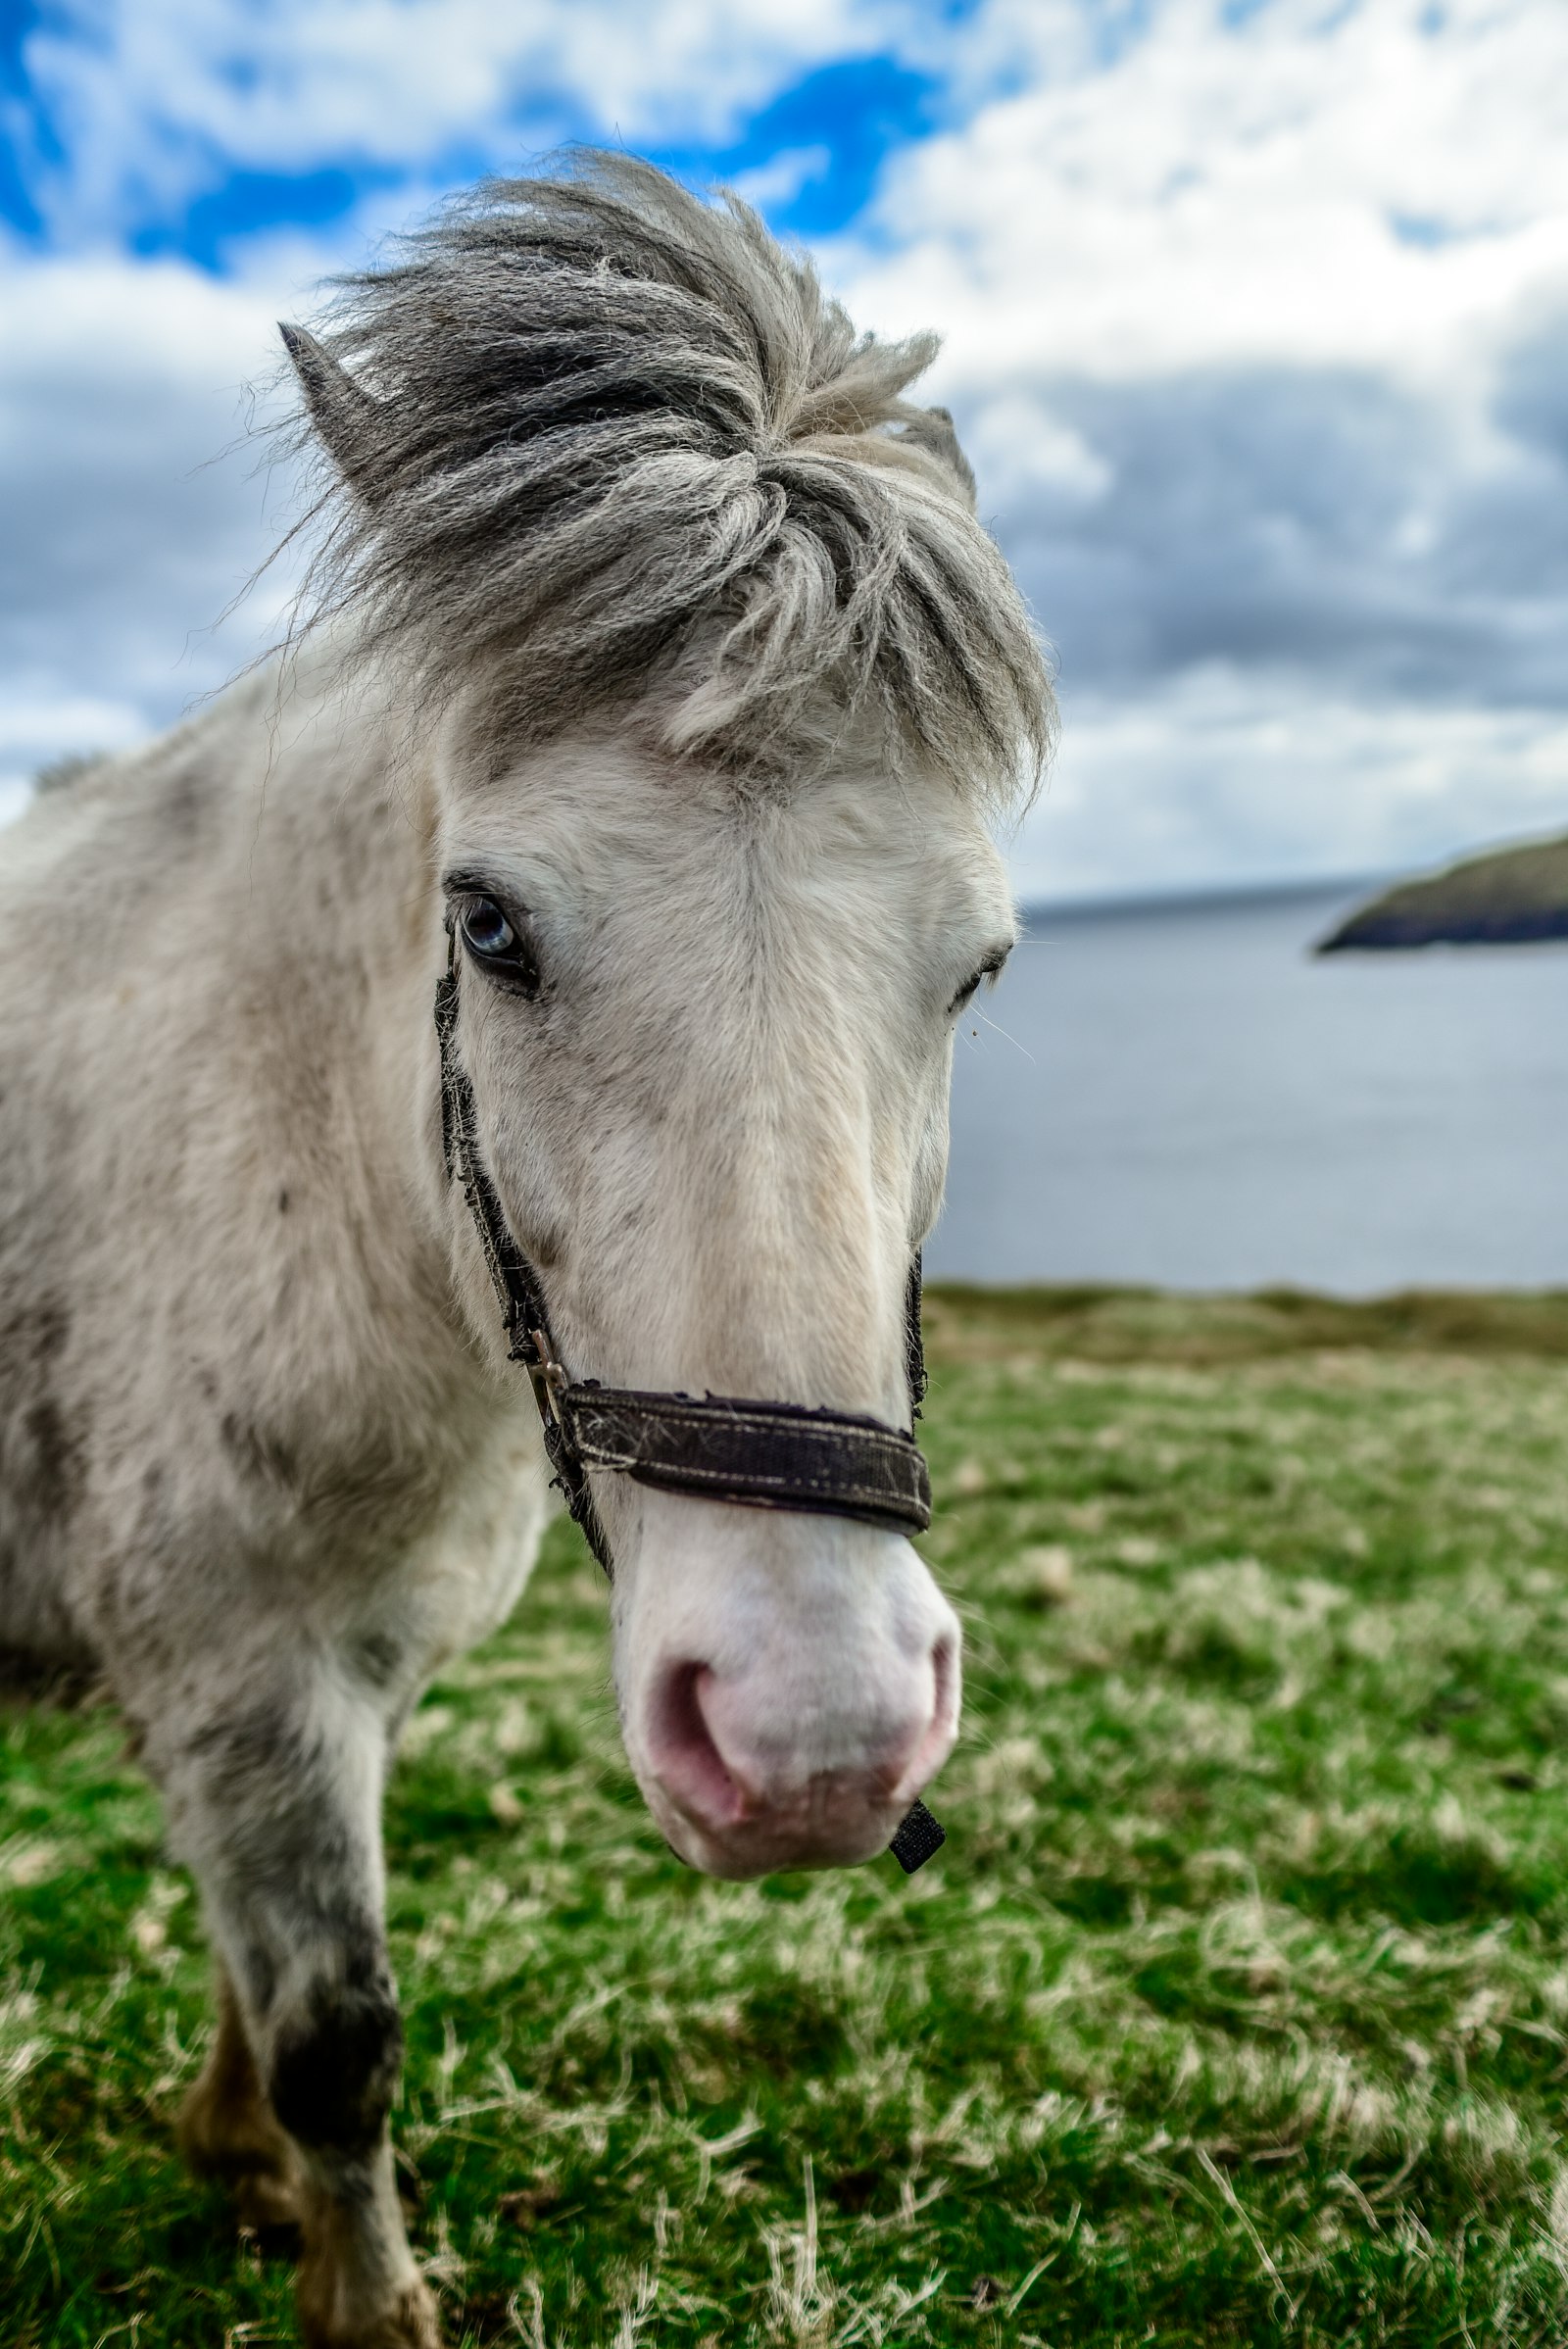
[667, 663]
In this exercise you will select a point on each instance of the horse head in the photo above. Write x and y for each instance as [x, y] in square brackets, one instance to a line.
[726, 688]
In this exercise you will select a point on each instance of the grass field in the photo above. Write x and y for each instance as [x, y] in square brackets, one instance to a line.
[1236, 2009]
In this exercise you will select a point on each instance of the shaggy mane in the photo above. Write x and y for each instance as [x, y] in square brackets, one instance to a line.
[594, 440]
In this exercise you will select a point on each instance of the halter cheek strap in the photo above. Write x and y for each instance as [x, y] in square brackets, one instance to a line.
[764, 1456]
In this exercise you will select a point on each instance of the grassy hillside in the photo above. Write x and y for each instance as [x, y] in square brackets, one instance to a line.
[1235, 2011]
[1509, 897]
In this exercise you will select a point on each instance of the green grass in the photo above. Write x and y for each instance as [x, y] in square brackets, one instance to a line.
[1236, 2009]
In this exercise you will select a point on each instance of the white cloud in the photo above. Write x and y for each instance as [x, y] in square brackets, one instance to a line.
[781, 179]
[1220, 777]
[1018, 445]
[1317, 183]
[1237, 315]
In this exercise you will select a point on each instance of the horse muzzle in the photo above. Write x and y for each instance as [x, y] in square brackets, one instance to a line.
[787, 1690]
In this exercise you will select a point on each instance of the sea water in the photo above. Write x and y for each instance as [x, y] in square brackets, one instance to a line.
[1181, 1094]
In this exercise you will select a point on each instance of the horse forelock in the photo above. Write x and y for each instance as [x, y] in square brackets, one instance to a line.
[600, 441]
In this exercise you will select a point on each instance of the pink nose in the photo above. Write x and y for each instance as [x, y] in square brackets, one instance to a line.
[765, 1793]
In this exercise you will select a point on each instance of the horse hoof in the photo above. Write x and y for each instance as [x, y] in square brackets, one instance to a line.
[412, 2322]
[418, 2326]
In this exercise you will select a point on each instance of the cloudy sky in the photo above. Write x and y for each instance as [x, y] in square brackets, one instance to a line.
[1256, 318]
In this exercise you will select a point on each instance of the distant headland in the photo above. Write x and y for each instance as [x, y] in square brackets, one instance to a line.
[1509, 897]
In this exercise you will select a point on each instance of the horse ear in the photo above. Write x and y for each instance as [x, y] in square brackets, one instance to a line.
[339, 410]
[932, 429]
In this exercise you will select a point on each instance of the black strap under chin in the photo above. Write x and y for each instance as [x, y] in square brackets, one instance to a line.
[764, 1455]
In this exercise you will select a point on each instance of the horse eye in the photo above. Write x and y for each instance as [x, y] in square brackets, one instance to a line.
[486, 928]
[491, 939]
[990, 969]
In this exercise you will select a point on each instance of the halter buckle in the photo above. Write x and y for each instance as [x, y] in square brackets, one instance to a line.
[549, 1377]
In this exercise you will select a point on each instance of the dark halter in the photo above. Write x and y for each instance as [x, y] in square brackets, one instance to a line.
[765, 1455]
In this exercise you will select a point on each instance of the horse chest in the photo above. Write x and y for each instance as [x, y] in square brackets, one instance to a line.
[463, 1575]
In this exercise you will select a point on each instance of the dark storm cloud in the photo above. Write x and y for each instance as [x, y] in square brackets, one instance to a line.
[132, 519]
[1533, 392]
[1328, 523]
[115, 528]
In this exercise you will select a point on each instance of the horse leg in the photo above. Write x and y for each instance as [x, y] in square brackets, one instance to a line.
[276, 1805]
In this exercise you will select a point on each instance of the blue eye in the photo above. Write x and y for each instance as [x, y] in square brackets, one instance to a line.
[486, 928]
[497, 942]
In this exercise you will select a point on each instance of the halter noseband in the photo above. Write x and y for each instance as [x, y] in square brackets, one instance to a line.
[765, 1455]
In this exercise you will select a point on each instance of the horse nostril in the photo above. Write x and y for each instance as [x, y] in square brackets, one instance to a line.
[943, 1682]
[683, 1750]
[931, 1742]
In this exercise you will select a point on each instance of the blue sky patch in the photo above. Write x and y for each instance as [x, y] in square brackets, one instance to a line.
[843, 118]
[251, 203]
[17, 207]
[829, 135]
[1423, 228]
